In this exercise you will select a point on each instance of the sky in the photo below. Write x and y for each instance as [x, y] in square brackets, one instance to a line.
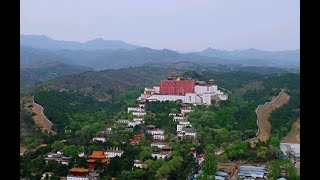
[181, 25]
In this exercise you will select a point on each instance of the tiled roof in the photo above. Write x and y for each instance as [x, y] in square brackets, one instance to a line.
[78, 169]
[97, 154]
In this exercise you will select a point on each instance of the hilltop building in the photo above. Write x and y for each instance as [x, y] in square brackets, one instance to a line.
[188, 90]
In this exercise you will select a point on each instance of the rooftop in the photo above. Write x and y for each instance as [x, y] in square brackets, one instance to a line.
[189, 130]
[78, 169]
[156, 129]
[161, 152]
[159, 142]
[114, 150]
[97, 155]
[151, 126]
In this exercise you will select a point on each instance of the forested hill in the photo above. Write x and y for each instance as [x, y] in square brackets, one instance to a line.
[82, 103]
[31, 75]
[103, 84]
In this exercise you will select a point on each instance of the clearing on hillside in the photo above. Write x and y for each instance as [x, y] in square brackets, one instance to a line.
[40, 119]
[293, 135]
[263, 114]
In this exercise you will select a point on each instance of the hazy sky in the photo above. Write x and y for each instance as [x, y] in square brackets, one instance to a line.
[183, 25]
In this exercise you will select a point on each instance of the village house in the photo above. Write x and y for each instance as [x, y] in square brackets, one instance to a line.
[186, 112]
[182, 124]
[131, 122]
[137, 113]
[136, 109]
[178, 117]
[137, 119]
[159, 144]
[187, 132]
[151, 129]
[190, 132]
[165, 153]
[58, 157]
[158, 137]
[156, 131]
[99, 138]
[142, 104]
[161, 155]
[252, 172]
[174, 114]
[123, 121]
[107, 129]
[221, 175]
[113, 152]
[139, 164]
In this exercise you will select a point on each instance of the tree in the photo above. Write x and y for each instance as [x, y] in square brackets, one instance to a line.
[72, 150]
[262, 153]
[278, 168]
[57, 145]
[274, 152]
[174, 110]
[275, 141]
[237, 150]
[209, 164]
[145, 153]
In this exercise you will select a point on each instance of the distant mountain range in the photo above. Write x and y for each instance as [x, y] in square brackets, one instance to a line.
[282, 58]
[44, 42]
[110, 59]
[102, 54]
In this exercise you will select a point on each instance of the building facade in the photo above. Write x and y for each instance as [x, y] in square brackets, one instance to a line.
[78, 174]
[176, 87]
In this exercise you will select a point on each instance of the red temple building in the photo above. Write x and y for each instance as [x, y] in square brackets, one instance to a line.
[136, 138]
[77, 173]
[176, 86]
[97, 155]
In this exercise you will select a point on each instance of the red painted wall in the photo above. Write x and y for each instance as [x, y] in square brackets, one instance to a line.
[173, 87]
[91, 165]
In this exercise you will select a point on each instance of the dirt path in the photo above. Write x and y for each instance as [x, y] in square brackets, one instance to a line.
[40, 119]
[23, 148]
[263, 114]
[293, 135]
